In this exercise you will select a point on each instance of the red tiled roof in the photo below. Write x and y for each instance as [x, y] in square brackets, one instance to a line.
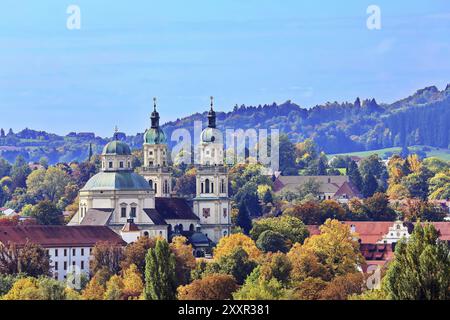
[59, 236]
[370, 231]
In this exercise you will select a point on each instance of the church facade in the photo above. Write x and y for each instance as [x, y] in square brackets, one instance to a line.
[139, 201]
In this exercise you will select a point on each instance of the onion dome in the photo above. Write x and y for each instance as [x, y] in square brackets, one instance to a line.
[154, 135]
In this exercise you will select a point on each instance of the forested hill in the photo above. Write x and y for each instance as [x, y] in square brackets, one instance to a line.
[420, 119]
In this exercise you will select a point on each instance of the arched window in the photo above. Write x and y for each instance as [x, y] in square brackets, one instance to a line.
[207, 186]
[203, 187]
[212, 187]
[166, 186]
[156, 187]
[180, 227]
[150, 182]
[191, 227]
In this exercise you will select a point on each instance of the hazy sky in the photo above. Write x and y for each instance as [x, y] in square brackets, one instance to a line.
[241, 51]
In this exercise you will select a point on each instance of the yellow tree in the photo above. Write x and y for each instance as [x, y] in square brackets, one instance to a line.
[336, 248]
[114, 288]
[227, 244]
[185, 261]
[25, 289]
[94, 290]
[132, 283]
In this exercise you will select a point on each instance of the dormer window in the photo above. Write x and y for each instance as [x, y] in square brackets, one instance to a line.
[110, 164]
[121, 164]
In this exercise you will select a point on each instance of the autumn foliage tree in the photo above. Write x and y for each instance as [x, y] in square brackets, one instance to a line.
[135, 252]
[227, 244]
[30, 259]
[185, 261]
[106, 256]
[211, 287]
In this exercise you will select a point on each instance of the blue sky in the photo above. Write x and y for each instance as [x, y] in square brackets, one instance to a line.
[241, 51]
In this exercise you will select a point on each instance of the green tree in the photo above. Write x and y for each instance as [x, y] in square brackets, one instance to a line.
[243, 218]
[421, 267]
[259, 288]
[160, 279]
[47, 213]
[370, 185]
[19, 173]
[354, 175]
[236, 264]
[292, 228]
[48, 183]
[270, 241]
[287, 156]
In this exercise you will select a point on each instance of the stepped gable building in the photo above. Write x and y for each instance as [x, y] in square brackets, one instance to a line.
[69, 248]
[212, 204]
[141, 203]
[338, 188]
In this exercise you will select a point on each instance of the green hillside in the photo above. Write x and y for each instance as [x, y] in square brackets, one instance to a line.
[385, 153]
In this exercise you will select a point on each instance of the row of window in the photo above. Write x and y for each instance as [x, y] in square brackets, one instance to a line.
[56, 267]
[74, 252]
[121, 164]
[208, 187]
[154, 186]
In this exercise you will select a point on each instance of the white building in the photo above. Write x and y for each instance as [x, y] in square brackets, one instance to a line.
[212, 204]
[117, 195]
[69, 248]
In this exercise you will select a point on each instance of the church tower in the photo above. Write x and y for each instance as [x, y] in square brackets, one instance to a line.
[211, 203]
[156, 169]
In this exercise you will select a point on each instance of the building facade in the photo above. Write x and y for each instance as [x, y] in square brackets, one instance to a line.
[212, 204]
[141, 203]
[69, 248]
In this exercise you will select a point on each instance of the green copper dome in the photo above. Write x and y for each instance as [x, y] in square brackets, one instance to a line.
[155, 136]
[125, 180]
[211, 135]
[117, 148]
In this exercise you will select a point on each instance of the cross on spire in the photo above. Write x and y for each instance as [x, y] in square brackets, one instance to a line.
[212, 102]
[154, 103]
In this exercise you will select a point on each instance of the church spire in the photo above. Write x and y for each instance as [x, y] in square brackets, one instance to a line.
[212, 115]
[155, 116]
[116, 133]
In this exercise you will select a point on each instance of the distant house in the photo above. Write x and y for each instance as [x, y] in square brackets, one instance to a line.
[7, 212]
[337, 188]
[35, 166]
[69, 248]
[378, 238]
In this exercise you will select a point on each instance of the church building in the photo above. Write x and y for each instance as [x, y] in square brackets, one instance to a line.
[140, 202]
